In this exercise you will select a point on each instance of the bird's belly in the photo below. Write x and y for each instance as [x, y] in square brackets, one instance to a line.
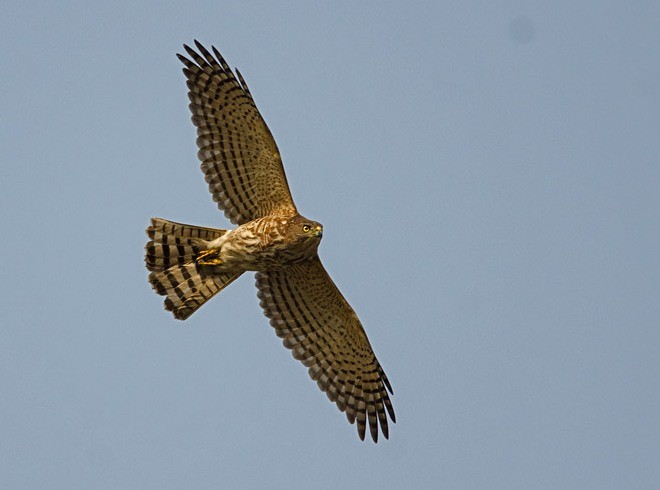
[253, 257]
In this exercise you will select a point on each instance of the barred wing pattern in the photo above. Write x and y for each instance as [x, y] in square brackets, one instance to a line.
[324, 333]
[239, 156]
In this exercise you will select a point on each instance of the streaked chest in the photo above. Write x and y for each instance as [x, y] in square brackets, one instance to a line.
[257, 245]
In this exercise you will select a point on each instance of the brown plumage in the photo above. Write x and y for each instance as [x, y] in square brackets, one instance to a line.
[190, 264]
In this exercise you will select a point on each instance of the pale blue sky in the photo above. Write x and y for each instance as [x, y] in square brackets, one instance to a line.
[488, 177]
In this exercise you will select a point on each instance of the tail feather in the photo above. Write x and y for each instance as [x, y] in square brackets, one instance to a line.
[170, 256]
[175, 243]
[186, 288]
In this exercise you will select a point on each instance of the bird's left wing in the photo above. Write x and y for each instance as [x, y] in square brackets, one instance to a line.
[320, 327]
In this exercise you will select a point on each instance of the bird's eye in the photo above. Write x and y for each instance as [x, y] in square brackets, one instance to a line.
[306, 228]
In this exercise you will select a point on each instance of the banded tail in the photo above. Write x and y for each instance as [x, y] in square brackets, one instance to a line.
[170, 255]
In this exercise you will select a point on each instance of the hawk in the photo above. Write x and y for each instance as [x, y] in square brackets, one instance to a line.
[190, 264]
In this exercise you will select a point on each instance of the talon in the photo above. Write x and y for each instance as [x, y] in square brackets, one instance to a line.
[209, 257]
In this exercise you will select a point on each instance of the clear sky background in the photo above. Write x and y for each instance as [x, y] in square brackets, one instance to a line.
[488, 176]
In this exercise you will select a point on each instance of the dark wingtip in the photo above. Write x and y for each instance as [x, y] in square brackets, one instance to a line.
[190, 51]
[362, 428]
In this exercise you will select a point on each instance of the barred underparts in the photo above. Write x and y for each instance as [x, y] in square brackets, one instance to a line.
[190, 264]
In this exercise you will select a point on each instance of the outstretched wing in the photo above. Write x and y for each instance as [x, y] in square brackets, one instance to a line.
[239, 156]
[320, 327]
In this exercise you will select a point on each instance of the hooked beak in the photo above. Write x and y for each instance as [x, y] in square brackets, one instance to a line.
[318, 231]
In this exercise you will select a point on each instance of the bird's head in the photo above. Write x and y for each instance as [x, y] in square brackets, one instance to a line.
[301, 229]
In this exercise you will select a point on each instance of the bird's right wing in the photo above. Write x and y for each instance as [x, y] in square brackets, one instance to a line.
[239, 156]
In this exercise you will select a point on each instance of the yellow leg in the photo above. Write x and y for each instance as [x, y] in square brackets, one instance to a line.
[209, 257]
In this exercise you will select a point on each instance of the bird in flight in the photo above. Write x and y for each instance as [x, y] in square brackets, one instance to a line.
[190, 264]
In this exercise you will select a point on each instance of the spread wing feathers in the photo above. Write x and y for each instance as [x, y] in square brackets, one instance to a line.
[170, 255]
[239, 156]
[320, 327]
